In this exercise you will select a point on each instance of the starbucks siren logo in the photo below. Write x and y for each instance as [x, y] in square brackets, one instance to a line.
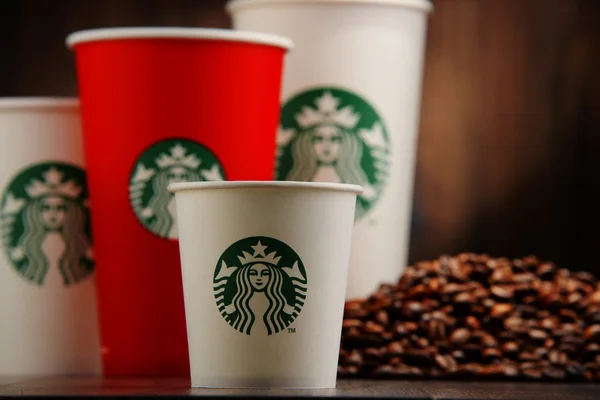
[165, 162]
[260, 285]
[332, 135]
[44, 223]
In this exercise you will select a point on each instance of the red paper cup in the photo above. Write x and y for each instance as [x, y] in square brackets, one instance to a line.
[161, 105]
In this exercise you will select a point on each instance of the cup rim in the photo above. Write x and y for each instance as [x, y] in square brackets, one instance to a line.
[230, 35]
[336, 187]
[38, 102]
[421, 5]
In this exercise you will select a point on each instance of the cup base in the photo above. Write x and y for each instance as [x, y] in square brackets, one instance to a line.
[265, 382]
[225, 387]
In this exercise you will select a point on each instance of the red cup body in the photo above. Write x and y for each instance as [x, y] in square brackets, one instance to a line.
[136, 92]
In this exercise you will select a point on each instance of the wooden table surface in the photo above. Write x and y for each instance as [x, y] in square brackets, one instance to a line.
[347, 389]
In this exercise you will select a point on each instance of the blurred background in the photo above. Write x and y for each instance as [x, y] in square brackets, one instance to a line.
[509, 149]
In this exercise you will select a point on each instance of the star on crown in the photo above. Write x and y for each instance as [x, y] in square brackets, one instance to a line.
[327, 112]
[53, 184]
[178, 157]
[259, 255]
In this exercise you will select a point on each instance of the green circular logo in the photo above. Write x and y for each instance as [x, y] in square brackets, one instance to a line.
[165, 162]
[333, 135]
[44, 223]
[260, 285]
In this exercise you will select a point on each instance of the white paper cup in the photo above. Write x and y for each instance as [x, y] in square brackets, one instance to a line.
[48, 321]
[351, 100]
[264, 268]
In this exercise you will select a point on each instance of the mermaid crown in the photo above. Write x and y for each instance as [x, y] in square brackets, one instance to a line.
[53, 184]
[178, 157]
[327, 112]
[259, 255]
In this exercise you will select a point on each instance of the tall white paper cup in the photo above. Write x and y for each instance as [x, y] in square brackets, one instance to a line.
[264, 268]
[48, 321]
[351, 101]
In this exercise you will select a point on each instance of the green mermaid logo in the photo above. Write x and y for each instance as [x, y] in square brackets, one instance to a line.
[333, 135]
[44, 223]
[260, 285]
[165, 162]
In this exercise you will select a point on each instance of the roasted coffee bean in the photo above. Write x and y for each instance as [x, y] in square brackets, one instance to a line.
[395, 361]
[532, 373]
[417, 357]
[541, 351]
[491, 354]
[489, 341]
[472, 322]
[574, 298]
[460, 336]
[554, 373]
[549, 323]
[516, 325]
[526, 311]
[453, 288]
[422, 342]
[589, 375]
[492, 371]
[557, 357]
[529, 356]
[473, 315]
[446, 362]
[435, 284]
[382, 318]
[568, 315]
[352, 323]
[568, 348]
[373, 327]
[354, 358]
[355, 309]
[395, 348]
[372, 354]
[471, 368]
[501, 310]
[353, 333]
[464, 298]
[573, 340]
[502, 274]
[502, 292]
[384, 370]
[538, 335]
[592, 348]
[524, 277]
[417, 292]
[413, 309]
[594, 298]
[348, 370]
[575, 370]
[510, 370]
[510, 348]
[546, 271]
[592, 333]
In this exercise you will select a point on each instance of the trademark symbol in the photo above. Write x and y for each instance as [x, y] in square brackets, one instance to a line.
[291, 330]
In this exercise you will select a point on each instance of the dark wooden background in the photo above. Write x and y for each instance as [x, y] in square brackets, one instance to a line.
[510, 135]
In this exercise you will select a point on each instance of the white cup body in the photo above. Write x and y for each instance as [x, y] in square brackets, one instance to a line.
[269, 219]
[368, 55]
[47, 308]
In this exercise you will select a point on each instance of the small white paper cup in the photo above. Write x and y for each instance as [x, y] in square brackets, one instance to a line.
[264, 267]
[48, 320]
[351, 99]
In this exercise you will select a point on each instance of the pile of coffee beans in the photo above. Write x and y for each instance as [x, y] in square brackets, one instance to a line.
[477, 317]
